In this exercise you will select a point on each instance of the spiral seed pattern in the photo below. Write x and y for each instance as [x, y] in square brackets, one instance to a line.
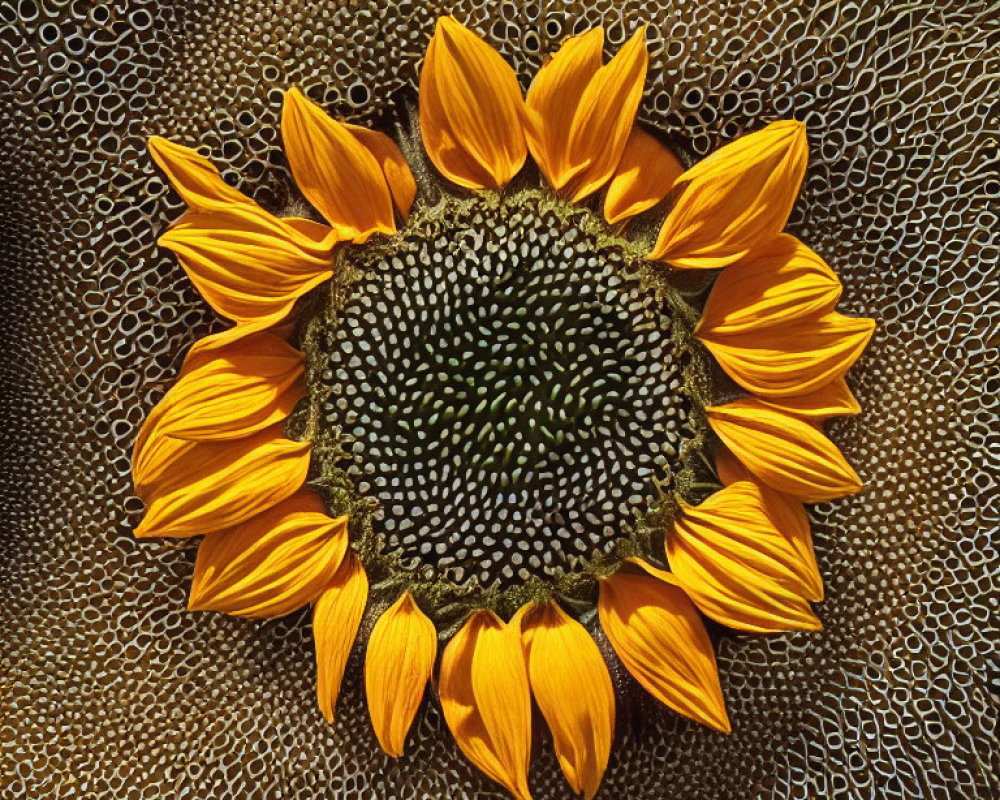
[508, 392]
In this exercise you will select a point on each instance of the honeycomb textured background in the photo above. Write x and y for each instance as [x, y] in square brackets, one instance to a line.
[109, 689]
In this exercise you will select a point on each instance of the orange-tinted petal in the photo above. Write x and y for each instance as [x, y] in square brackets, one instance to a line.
[644, 176]
[571, 685]
[786, 453]
[272, 564]
[398, 664]
[779, 281]
[247, 264]
[194, 177]
[486, 698]
[215, 485]
[833, 400]
[394, 166]
[337, 173]
[794, 358]
[734, 200]
[603, 119]
[199, 407]
[336, 618]
[205, 348]
[656, 631]
[154, 453]
[787, 514]
[552, 102]
[250, 385]
[738, 567]
[471, 109]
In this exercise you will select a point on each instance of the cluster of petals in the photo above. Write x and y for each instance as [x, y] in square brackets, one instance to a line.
[212, 459]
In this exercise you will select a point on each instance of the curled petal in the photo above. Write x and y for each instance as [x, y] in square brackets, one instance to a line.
[656, 631]
[738, 197]
[552, 102]
[644, 176]
[394, 167]
[779, 281]
[603, 119]
[786, 453]
[471, 109]
[792, 358]
[250, 385]
[571, 685]
[272, 564]
[738, 567]
[336, 617]
[398, 664]
[194, 177]
[486, 698]
[337, 173]
[215, 485]
[249, 265]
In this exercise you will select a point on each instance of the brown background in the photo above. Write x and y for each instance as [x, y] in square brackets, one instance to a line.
[109, 689]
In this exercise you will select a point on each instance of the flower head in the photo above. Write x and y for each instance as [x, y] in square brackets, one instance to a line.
[429, 367]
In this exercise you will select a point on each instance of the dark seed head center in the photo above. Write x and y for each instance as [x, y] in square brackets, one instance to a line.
[504, 386]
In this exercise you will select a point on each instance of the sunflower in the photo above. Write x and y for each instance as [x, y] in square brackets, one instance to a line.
[520, 357]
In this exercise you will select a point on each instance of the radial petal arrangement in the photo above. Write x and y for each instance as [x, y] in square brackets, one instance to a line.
[530, 394]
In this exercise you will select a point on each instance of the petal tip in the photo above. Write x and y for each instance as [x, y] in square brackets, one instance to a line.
[156, 143]
[293, 97]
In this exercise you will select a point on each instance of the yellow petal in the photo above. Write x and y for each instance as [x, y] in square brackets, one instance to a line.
[833, 400]
[215, 485]
[248, 265]
[153, 453]
[204, 349]
[571, 685]
[644, 176]
[792, 358]
[471, 109]
[603, 119]
[337, 173]
[194, 177]
[336, 618]
[155, 456]
[738, 567]
[783, 451]
[787, 515]
[486, 699]
[272, 564]
[779, 281]
[252, 385]
[732, 470]
[398, 664]
[737, 198]
[657, 633]
[552, 102]
[394, 167]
